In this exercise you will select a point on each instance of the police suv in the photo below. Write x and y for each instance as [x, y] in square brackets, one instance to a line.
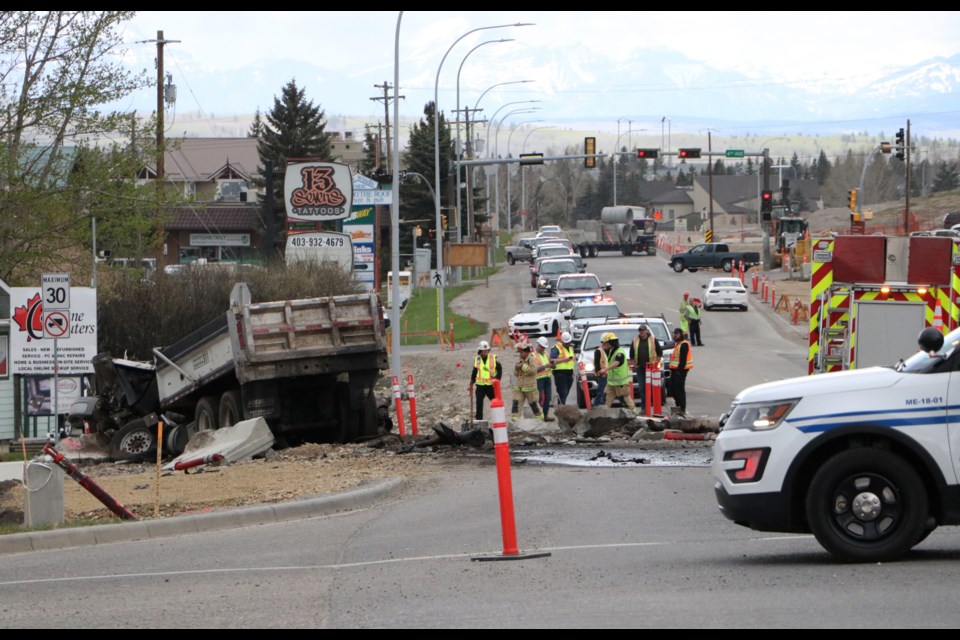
[867, 460]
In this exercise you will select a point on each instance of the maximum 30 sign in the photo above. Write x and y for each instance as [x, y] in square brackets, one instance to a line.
[55, 292]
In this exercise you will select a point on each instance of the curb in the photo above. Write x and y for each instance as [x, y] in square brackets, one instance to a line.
[362, 496]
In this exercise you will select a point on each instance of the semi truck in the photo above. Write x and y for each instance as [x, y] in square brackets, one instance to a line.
[307, 366]
[622, 229]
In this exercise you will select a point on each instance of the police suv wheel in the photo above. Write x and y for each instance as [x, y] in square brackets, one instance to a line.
[867, 505]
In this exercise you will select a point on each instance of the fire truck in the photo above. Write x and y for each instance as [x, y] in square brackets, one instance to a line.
[871, 295]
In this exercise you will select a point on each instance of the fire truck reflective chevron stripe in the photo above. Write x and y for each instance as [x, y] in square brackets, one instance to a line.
[821, 277]
[951, 310]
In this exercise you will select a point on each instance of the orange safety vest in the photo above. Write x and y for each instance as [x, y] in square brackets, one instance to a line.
[675, 356]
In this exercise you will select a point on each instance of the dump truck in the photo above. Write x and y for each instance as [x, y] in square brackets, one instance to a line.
[307, 366]
[622, 229]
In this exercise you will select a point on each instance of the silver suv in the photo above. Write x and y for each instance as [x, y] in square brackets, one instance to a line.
[590, 312]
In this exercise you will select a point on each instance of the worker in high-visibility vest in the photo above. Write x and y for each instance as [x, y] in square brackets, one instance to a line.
[644, 350]
[619, 375]
[681, 361]
[544, 376]
[563, 362]
[486, 369]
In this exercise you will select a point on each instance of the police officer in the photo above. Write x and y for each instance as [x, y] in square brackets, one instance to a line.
[563, 360]
[486, 369]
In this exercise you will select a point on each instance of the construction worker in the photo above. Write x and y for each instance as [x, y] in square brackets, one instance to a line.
[693, 320]
[563, 358]
[525, 373]
[681, 361]
[619, 376]
[644, 350]
[544, 377]
[486, 369]
[685, 312]
[600, 365]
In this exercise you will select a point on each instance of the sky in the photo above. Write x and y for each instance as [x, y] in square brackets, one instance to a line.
[580, 62]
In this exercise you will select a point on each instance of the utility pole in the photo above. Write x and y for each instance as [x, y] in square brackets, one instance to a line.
[710, 179]
[906, 213]
[160, 42]
[386, 111]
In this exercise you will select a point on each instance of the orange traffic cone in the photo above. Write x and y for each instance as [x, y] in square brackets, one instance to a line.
[938, 317]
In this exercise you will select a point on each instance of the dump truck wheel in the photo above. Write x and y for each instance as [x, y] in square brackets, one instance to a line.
[136, 438]
[231, 408]
[207, 413]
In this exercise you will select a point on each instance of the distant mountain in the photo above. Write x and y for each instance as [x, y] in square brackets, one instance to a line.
[691, 94]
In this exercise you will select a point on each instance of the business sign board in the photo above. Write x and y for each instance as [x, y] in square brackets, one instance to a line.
[219, 239]
[320, 246]
[317, 191]
[31, 353]
[362, 230]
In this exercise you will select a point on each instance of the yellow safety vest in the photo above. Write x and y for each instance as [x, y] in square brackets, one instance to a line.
[675, 356]
[565, 353]
[544, 360]
[621, 375]
[485, 370]
[651, 347]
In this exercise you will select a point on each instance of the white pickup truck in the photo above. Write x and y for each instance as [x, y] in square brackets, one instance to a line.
[865, 459]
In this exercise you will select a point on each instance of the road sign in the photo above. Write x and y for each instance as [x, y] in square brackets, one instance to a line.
[55, 288]
[734, 153]
[708, 235]
[56, 324]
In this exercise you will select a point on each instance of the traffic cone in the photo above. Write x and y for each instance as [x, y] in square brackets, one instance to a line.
[938, 317]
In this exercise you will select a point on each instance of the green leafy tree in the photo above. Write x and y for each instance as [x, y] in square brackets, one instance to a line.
[59, 68]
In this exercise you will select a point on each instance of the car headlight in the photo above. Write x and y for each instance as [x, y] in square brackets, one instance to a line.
[760, 416]
[587, 366]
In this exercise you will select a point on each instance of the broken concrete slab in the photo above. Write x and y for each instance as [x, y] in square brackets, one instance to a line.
[602, 420]
[239, 442]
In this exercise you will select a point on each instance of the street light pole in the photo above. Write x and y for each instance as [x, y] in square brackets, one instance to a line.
[395, 210]
[496, 140]
[457, 152]
[436, 164]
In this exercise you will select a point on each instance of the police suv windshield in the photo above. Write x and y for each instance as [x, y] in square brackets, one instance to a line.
[922, 362]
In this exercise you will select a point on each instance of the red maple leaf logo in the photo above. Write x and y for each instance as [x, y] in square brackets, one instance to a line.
[30, 318]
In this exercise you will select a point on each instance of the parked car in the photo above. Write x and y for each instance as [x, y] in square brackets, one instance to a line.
[551, 269]
[541, 317]
[626, 331]
[579, 286]
[725, 292]
[591, 312]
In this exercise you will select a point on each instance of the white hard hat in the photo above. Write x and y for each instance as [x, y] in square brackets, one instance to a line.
[543, 342]
[565, 337]
[483, 346]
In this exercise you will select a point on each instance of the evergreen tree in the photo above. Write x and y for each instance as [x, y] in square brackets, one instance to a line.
[294, 128]
[416, 200]
[947, 177]
[256, 127]
[822, 168]
[371, 156]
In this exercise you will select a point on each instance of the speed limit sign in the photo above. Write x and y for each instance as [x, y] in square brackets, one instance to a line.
[55, 288]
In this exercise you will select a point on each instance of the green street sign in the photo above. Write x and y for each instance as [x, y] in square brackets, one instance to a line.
[734, 153]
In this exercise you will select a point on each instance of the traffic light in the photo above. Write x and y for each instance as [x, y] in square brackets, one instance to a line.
[766, 204]
[589, 149]
[885, 147]
[648, 154]
[852, 199]
[689, 153]
[900, 144]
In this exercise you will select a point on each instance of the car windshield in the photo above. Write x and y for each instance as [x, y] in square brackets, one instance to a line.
[566, 266]
[583, 282]
[625, 335]
[659, 331]
[540, 306]
[726, 282]
[552, 251]
[595, 311]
